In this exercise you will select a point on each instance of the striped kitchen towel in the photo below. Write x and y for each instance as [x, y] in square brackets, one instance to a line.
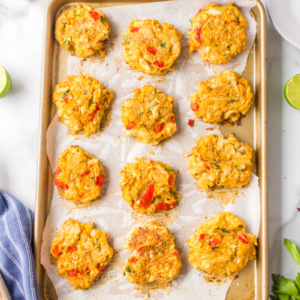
[16, 244]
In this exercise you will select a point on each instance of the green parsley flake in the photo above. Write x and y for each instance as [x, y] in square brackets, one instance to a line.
[127, 40]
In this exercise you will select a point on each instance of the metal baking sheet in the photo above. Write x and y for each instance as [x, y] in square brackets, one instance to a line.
[252, 282]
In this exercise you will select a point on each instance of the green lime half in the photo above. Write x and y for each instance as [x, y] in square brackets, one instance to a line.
[5, 82]
[292, 91]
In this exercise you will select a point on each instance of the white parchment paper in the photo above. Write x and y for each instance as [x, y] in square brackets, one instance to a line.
[111, 213]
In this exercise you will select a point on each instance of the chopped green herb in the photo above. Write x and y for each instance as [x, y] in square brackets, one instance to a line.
[225, 54]
[103, 19]
[88, 273]
[128, 270]
[241, 226]
[142, 113]
[215, 136]
[217, 166]
[164, 243]
[124, 273]
[91, 103]
[215, 247]
[158, 197]
[154, 248]
[233, 101]
[127, 40]
[222, 229]
[169, 169]
[65, 93]
[209, 186]
[163, 45]
[233, 4]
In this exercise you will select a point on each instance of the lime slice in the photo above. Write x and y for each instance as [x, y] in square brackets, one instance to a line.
[292, 91]
[5, 82]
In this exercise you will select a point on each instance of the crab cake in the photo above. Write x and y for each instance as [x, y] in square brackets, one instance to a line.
[83, 31]
[148, 186]
[151, 47]
[78, 176]
[221, 245]
[225, 98]
[81, 102]
[81, 252]
[149, 115]
[155, 257]
[217, 161]
[218, 33]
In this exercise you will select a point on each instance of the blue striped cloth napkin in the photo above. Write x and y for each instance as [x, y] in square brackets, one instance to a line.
[16, 244]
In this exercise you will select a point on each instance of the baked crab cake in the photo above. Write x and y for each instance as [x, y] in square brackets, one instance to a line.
[219, 162]
[225, 98]
[218, 33]
[81, 252]
[83, 31]
[78, 176]
[221, 245]
[148, 186]
[149, 115]
[81, 102]
[155, 258]
[151, 47]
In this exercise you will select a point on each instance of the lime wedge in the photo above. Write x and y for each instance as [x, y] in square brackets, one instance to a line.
[292, 91]
[5, 82]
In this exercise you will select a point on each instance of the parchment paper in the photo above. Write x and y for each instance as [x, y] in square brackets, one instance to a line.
[111, 213]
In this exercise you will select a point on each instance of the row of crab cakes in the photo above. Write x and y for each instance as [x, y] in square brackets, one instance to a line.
[149, 186]
[81, 102]
[217, 33]
[220, 246]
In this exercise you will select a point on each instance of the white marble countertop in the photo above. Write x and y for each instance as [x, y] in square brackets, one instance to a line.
[21, 26]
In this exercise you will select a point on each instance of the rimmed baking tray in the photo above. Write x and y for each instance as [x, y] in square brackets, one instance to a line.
[252, 283]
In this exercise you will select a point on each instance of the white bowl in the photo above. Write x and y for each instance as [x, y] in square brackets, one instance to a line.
[285, 16]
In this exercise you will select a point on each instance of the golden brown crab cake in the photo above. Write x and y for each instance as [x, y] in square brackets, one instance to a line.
[148, 186]
[149, 115]
[151, 47]
[217, 161]
[81, 252]
[83, 31]
[78, 176]
[218, 33]
[155, 258]
[225, 98]
[221, 245]
[81, 102]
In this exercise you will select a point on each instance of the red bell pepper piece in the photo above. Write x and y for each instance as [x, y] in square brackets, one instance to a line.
[72, 249]
[194, 107]
[56, 251]
[95, 15]
[243, 238]
[99, 180]
[214, 242]
[151, 49]
[191, 122]
[85, 173]
[73, 273]
[160, 64]
[147, 197]
[159, 127]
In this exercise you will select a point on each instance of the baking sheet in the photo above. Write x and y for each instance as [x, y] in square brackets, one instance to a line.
[114, 151]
